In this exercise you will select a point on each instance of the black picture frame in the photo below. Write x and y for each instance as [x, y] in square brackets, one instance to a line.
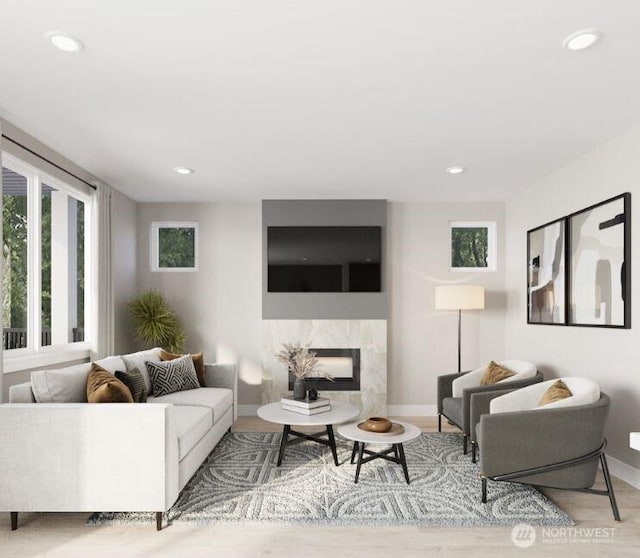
[547, 273]
[599, 264]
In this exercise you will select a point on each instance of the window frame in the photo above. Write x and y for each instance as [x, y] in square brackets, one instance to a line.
[35, 354]
[492, 245]
[154, 245]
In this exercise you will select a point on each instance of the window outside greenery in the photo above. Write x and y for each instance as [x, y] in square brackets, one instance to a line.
[15, 283]
[469, 247]
[176, 247]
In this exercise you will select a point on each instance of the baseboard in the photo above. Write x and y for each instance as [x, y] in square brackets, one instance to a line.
[412, 410]
[624, 471]
[247, 410]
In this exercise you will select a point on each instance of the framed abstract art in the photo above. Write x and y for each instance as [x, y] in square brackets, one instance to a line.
[599, 271]
[546, 274]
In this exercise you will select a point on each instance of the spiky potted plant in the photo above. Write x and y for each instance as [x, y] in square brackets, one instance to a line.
[156, 324]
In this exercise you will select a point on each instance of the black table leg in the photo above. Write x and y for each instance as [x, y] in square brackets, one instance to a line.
[353, 452]
[283, 443]
[360, 454]
[403, 462]
[332, 444]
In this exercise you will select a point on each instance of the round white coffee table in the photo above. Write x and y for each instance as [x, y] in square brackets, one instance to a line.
[361, 438]
[340, 412]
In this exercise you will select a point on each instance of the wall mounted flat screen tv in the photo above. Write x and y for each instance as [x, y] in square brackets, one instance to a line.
[324, 259]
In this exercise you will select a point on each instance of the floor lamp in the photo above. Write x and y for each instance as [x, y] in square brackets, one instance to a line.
[459, 297]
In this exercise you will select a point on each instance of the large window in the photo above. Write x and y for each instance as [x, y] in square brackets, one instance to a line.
[45, 263]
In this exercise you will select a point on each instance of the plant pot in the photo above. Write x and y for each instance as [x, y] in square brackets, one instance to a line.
[299, 389]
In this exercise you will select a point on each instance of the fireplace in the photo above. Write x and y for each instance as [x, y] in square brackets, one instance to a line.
[355, 353]
[342, 364]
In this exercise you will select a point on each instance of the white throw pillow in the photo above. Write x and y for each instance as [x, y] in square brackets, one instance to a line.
[138, 360]
[63, 385]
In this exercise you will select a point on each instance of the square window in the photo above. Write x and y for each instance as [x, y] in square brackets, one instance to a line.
[473, 245]
[174, 246]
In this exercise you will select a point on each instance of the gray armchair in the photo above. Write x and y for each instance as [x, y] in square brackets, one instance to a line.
[455, 391]
[556, 446]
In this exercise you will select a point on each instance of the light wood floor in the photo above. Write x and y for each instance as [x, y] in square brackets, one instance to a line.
[66, 535]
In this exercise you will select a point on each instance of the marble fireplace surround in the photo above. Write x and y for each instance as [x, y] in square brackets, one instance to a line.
[370, 336]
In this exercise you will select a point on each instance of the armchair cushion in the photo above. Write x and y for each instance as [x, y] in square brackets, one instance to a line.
[494, 374]
[522, 370]
[556, 392]
[584, 392]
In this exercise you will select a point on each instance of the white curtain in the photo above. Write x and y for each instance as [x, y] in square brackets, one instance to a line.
[103, 312]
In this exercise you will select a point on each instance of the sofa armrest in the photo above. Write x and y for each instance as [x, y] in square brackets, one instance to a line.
[88, 457]
[21, 393]
[481, 405]
[506, 387]
[223, 376]
[445, 383]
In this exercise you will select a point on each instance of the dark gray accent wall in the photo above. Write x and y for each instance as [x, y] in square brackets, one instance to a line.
[324, 306]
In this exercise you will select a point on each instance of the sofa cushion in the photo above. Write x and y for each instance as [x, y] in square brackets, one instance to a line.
[138, 360]
[192, 423]
[63, 385]
[452, 409]
[111, 364]
[172, 375]
[198, 363]
[135, 382]
[104, 387]
[219, 400]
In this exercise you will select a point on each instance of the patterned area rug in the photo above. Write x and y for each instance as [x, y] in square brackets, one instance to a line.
[239, 482]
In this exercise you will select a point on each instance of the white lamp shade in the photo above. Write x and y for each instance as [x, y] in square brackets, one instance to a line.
[460, 297]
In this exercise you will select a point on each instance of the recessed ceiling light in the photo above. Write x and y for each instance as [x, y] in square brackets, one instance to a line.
[183, 170]
[64, 42]
[456, 170]
[581, 39]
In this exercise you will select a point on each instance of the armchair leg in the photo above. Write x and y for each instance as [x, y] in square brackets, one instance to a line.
[484, 490]
[474, 448]
[464, 443]
[439, 422]
[159, 521]
[607, 480]
[14, 521]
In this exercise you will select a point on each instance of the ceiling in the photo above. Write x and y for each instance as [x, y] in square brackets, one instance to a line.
[320, 99]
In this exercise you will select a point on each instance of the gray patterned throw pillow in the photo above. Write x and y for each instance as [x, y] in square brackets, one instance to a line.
[172, 375]
[135, 382]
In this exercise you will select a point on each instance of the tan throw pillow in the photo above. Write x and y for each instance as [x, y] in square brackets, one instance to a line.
[104, 387]
[198, 363]
[494, 374]
[555, 392]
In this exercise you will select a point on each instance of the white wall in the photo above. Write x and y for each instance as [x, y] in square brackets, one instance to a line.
[220, 305]
[423, 341]
[610, 357]
[124, 226]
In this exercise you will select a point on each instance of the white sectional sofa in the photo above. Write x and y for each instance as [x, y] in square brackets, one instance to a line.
[61, 454]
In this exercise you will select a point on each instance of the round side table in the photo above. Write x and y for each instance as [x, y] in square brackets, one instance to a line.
[361, 438]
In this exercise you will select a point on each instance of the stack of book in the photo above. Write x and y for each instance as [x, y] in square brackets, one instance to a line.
[306, 406]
